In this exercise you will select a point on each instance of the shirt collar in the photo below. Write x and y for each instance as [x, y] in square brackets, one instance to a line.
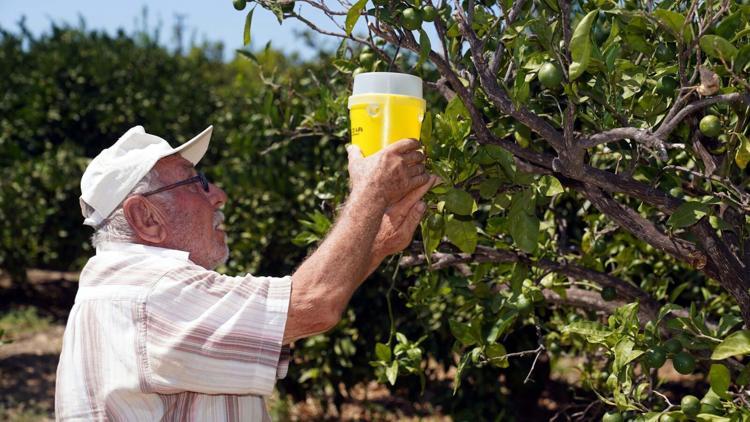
[135, 248]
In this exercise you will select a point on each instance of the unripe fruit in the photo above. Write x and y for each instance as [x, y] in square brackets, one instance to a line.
[656, 357]
[612, 417]
[239, 4]
[664, 53]
[366, 59]
[690, 406]
[359, 70]
[429, 13]
[524, 304]
[710, 126]
[683, 363]
[522, 135]
[667, 418]
[550, 75]
[410, 19]
[666, 86]
[609, 293]
[673, 345]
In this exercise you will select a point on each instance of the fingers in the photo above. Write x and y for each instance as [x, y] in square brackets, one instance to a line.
[404, 146]
[400, 209]
[413, 157]
[415, 170]
[420, 180]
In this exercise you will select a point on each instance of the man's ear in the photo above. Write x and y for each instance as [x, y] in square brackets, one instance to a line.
[146, 219]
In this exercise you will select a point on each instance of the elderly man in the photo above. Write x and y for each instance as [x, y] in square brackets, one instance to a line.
[156, 334]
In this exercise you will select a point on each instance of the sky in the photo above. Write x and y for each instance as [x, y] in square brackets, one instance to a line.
[212, 20]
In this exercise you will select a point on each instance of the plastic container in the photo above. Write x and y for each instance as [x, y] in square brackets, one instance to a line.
[385, 107]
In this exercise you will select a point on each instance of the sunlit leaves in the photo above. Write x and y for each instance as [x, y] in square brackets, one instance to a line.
[580, 46]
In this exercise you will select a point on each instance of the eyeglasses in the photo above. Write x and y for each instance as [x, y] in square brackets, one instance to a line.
[199, 178]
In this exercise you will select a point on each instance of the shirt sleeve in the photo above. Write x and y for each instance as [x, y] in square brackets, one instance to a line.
[214, 334]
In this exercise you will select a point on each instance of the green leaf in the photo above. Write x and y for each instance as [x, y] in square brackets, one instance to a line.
[459, 202]
[624, 353]
[523, 223]
[742, 156]
[580, 46]
[504, 321]
[488, 187]
[433, 228]
[248, 25]
[425, 133]
[383, 352]
[718, 47]
[424, 48]
[591, 331]
[734, 345]
[247, 53]
[462, 332]
[353, 15]
[674, 22]
[391, 372]
[456, 109]
[459, 372]
[719, 377]
[729, 26]
[687, 214]
[551, 186]
[520, 88]
[743, 58]
[496, 354]
[463, 234]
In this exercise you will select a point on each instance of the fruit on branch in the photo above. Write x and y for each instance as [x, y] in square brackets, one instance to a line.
[410, 19]
[429, 13]
[666, 86]
[358, 70]
[673, 345]
[683, 363]
[608, 293]
[664, 53]
[690, 406]
[550, 76]
[655, 357]
[239, 4]
[366, 57]
[710, 126]
[612, 417]
[287, 6]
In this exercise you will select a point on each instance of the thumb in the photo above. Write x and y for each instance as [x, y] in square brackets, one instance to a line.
[353, 152]
[415, 215]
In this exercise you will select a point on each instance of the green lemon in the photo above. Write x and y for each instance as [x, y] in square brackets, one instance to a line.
[429, 13]
[710, 126]
[655, 357]
[410, 19]
[666, 85]
[608, 293]
[673, 345]
[550, 75]
[667, 418]
[612, 417]
[239, 4]
[287, 6]
[690, 405]
[683, 363]
[524, 304]
[366, 59]
[664, 53]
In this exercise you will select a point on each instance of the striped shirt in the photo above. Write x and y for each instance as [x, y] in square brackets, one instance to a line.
[153, 336]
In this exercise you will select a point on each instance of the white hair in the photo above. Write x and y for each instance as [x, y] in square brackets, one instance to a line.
[116, 228]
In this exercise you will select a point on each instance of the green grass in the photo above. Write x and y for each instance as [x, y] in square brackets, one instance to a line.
[22, 320]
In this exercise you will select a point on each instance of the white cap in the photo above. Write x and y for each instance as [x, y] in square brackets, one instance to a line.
[112, 174]
[387, 83]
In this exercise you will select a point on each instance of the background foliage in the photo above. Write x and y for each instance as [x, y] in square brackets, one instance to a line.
[510, 268]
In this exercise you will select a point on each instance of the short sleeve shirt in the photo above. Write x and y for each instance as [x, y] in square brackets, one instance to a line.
[153, 336]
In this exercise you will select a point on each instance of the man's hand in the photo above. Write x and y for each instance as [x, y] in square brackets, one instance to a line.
[400, 221]
[390, 173]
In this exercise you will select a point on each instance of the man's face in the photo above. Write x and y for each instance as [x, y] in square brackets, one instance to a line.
[192, 215]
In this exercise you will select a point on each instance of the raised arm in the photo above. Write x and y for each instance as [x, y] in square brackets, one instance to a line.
[324, 283]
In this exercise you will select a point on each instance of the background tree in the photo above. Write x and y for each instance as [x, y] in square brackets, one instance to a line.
[595, 156]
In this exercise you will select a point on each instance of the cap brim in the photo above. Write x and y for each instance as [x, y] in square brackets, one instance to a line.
[194, 149]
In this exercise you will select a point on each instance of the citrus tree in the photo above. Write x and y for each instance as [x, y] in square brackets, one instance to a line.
[595, 197]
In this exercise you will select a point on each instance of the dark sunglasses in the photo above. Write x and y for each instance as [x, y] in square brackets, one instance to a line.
[195, 179]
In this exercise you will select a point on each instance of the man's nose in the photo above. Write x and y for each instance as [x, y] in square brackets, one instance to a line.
[217, 196]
